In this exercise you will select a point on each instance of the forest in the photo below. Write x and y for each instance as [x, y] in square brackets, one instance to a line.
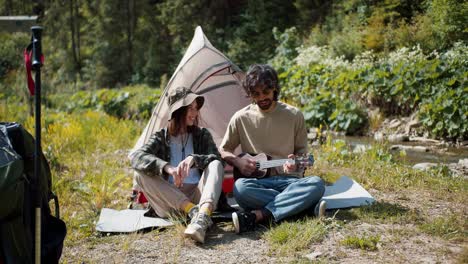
[401, 57]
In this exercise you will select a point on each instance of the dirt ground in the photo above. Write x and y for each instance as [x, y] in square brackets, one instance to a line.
[399, 243]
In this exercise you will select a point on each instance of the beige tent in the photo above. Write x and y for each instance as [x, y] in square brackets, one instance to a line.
[206, 71]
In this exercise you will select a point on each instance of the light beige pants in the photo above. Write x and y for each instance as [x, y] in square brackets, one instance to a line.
[165, 197]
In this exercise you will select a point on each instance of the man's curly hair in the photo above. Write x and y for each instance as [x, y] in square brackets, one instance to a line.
[261, 75]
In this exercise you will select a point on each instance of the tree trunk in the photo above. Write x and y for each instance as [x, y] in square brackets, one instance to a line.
[78, 38]
[75, 35]
[130, 31]
[9, 8]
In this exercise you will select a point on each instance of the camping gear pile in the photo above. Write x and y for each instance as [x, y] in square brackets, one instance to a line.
[17, 209]
[28, 231]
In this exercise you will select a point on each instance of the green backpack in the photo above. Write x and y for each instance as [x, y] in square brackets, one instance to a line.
[17, 215]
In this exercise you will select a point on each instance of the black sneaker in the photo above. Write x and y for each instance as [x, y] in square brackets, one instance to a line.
[243, 221]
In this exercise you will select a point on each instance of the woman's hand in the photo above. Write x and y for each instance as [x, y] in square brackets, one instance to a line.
[183, 169]
[290, 167]
[180, 172]
[175, 175]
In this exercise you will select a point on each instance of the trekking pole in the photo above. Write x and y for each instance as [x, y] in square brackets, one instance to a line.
[36, 66]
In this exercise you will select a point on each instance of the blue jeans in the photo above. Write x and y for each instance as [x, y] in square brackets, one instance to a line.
[283, 196]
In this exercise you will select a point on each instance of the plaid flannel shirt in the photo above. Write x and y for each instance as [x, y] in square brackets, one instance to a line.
[151, 158]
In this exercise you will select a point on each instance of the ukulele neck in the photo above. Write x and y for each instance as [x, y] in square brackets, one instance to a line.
[273, 163]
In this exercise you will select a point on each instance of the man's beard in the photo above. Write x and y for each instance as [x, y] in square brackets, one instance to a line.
[265, 104]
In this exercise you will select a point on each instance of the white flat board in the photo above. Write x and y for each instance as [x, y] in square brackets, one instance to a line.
[345, 193]
[127, 220]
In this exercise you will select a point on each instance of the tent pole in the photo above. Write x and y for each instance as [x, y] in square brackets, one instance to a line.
[36, 65]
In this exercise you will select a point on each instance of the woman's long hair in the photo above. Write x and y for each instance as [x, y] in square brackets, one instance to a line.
[178, 121]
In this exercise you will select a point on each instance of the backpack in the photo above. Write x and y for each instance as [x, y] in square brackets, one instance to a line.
[17, 215]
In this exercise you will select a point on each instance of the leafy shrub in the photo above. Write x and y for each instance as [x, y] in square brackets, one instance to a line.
[11, 51]
[405, 81]
[348, 117]
[449, 19]
[446, 114]
[128, 102]
[286, 50]
[319, 109]
[145, 108]
[111, 102]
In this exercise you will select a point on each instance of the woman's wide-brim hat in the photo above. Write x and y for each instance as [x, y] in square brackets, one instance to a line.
[182, 96]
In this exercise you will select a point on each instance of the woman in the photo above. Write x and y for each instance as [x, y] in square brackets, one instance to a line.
[180, 168]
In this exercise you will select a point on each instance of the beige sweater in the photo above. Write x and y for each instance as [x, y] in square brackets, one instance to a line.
[278, 133]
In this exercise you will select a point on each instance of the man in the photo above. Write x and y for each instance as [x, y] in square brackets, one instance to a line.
[278, 130]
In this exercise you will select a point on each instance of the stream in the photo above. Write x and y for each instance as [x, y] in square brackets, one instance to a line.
[434, 154]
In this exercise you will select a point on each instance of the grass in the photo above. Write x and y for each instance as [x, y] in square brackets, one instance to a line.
[387, 212]
[87, 152]
[375, 120]
[362, 242]
[451, 227]
[380, 212]
[289, 238]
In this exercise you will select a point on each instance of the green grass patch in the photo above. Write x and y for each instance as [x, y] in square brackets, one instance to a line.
[451, 227]
[380, 212]
[289, 237]
[387, 212]
[362, 242]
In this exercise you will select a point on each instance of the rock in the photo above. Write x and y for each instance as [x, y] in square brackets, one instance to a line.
[459, 169]
[314, 255]
[396, 147]
[311, 136]
[424, 140]
[361, 148]
[394, 123]
[379, 136]
[463, 163]
[338, 133]
[424, 166]
[419, 149]
[398, 138]
[410, 148]
[413, 123]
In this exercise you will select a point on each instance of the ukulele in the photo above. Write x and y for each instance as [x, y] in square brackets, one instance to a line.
[264, 163]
